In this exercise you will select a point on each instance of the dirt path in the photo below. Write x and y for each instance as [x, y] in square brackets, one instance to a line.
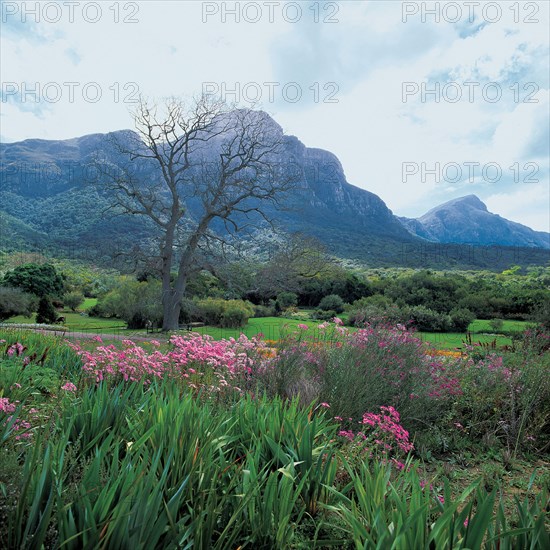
[75, 335]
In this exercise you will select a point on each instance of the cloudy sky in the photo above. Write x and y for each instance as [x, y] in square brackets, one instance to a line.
[421, 101]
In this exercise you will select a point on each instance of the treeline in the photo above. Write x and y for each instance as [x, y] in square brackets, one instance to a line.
[298, 277]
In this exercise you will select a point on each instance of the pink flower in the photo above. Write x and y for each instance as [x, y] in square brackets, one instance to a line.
[325, 405]
[303, 327]
[6, 406]
[69, 386]
[337, 321]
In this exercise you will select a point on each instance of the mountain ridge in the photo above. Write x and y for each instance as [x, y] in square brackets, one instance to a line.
[48, 186]
[467, 220]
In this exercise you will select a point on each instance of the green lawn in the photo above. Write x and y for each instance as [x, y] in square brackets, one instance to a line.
[75, 322]
[273, 327]
[452, 340]
[481, 332]
[270, 327]
[481, 325]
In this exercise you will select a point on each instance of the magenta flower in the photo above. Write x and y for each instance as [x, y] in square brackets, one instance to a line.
[69, 386]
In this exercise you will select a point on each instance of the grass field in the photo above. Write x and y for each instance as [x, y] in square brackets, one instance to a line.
[273, 327]
[481, 325]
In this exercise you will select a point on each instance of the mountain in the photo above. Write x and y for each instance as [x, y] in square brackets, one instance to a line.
[467, 220]
[49, 187]
[50, 200]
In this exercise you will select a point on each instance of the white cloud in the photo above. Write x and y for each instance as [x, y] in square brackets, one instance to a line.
[369, 53]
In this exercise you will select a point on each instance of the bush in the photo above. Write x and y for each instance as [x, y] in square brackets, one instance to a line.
[46, 313]
[224, 313]
[496, 324]
[133, 301]
[374, 315]
[263, 311]
[505, 398]
[13, 302]
[73, 299]
[425, 319]
[236, 314]
[286, 300]
[461, 319]
[332, 302]
[324, 315]
[365, 370]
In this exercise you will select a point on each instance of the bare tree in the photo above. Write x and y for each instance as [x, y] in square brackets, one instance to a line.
[189, 168]
[296, 260]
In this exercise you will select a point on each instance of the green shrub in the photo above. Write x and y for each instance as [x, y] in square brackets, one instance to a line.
[224, 313]
[73, 299]
[332, 302]
[425, 319]
[236, 314]
[461, 319]
[133, 301]
[263, 311]
[46, 313]
[375, 315]
[322, 315]
[285, 300]
[496, 324]
[14, 301]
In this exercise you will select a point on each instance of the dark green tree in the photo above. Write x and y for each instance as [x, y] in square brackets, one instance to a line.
[40, 280]
[46, 313]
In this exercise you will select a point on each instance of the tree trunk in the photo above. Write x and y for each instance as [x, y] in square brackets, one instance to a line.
[171, 305]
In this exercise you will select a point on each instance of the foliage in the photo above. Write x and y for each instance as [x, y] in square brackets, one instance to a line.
[224, 313]
[180, 447]
[332, 302]
[73, 299]
[14, 301]
[429, 320]
[285, 300]
[461, 319]
[40, 280]
[133, 301]
[46, 313]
